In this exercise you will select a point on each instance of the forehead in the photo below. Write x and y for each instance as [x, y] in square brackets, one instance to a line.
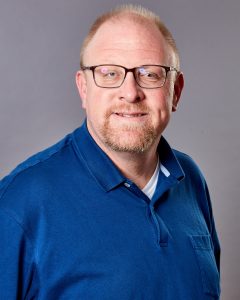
[127, 42]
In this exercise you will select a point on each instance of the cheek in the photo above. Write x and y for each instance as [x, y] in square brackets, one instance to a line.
[91, 97]
[162, 102]
[95, 107]
[167, 98]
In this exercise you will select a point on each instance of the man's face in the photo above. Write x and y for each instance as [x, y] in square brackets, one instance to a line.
[128, 118]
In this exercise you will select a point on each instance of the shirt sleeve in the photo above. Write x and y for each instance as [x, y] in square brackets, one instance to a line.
[17, 267]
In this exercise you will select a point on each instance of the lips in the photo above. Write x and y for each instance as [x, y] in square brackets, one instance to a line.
[130, 115]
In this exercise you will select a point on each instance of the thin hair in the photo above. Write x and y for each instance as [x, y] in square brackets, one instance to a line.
[136, 13]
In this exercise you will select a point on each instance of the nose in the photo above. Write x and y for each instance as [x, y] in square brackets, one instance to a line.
[130, 91]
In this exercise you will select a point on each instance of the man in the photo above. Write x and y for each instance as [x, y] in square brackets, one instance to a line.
[111, 211]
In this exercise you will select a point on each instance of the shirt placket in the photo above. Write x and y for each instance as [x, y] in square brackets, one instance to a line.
[162, 233]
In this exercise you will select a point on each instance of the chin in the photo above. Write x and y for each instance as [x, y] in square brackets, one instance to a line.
[132, 143]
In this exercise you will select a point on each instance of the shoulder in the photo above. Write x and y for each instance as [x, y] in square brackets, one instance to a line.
[194, 181]
[37, 188]
[190, 167]
[196, 185]
[36, 169]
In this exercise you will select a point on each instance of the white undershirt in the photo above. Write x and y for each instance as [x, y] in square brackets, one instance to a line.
[150, 187]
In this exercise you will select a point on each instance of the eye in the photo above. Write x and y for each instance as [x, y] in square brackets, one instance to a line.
[152, 75]
[106, 72]
[148, 74]
[111, 74]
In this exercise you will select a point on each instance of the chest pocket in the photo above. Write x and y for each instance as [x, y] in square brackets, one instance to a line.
[202, 245]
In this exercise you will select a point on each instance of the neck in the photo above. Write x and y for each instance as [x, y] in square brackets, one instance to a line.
[138, 167]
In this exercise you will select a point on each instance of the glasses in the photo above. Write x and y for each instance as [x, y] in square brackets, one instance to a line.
[146, 76]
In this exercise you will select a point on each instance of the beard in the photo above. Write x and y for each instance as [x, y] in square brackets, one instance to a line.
[131, 137]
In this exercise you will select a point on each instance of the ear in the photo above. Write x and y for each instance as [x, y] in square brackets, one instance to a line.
[178, 87]
[82, 86]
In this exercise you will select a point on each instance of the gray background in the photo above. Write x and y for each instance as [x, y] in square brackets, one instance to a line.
[39, 104]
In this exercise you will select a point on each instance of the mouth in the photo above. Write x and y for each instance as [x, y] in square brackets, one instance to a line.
[130, 115]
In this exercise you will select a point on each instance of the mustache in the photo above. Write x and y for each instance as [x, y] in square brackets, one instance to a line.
[128, 108]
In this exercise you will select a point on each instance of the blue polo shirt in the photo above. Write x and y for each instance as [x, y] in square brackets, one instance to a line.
[73, 227]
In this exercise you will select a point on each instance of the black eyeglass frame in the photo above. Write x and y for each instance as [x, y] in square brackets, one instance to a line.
[133, 70]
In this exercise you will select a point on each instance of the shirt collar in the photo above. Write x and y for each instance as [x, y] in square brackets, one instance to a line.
[104, 170]
[169, 160]
[97, 162]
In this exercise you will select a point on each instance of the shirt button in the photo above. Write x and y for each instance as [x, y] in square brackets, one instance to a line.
[127, 184]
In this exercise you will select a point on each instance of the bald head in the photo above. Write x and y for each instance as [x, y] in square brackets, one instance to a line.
[141, 17]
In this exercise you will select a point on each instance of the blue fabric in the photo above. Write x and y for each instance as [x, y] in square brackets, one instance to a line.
[71, 229]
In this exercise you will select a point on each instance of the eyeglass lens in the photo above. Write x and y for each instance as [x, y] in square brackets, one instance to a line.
[113, 76]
